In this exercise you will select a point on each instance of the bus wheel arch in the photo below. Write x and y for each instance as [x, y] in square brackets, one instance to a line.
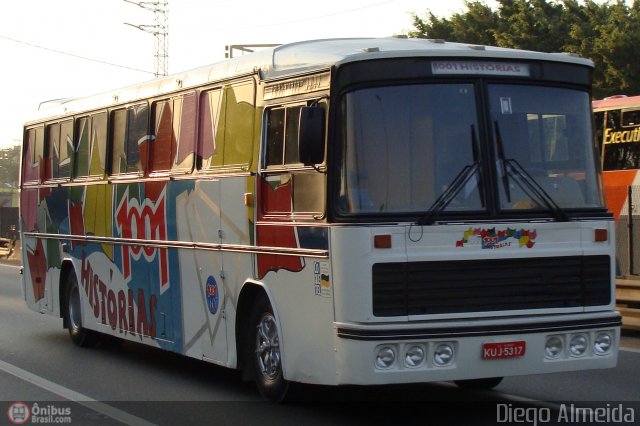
[258, 343]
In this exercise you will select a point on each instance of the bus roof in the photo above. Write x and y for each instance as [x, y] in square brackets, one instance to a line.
[616, 102]
[298, 58]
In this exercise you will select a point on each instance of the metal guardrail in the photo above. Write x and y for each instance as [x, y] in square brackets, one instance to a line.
[628, 302]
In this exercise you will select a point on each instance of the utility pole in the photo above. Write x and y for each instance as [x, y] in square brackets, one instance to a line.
[160, 30]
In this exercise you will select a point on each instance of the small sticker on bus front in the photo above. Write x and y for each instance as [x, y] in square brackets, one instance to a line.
[321, 280]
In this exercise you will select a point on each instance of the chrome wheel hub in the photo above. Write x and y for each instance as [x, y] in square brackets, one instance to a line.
[268, 347]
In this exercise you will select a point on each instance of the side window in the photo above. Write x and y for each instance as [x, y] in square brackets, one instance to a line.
[81, 147]
[282, 136]
[129, 139]
[239, 124]
[226, 127]
[33, 153]
[185, 125]
[631, 118]
[160, 152]
[59, 150]
[90, 146]
[98, 145]
[210, 138]
[65, 153]
[288, 191]
[52, 149]
[174, 127]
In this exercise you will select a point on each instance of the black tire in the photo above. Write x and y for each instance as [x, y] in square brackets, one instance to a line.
[73, 315]
[264, 353]
[487, 383]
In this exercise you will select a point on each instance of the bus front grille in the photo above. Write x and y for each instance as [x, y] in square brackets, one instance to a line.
[446, 287]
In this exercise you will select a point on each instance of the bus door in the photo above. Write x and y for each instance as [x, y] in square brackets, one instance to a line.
[226, 141]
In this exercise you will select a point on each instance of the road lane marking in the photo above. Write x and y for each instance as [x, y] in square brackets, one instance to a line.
[71, 395]
[627, 349]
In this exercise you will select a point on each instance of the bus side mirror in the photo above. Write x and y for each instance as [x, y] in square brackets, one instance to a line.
[311, 135]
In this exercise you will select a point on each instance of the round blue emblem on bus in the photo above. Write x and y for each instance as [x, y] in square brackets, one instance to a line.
[213, 297]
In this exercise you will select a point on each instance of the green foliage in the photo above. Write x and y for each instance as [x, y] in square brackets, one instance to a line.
[608, 33]
[9, 165]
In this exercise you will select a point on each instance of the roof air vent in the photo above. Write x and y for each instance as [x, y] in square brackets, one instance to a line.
[371, 49]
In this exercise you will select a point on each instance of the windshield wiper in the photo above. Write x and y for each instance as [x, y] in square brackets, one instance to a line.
[525, 181]
[535, 188]
[457, 184]
[475, 148]
[503, 164]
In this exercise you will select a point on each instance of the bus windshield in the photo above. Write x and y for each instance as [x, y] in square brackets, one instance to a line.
[545, 131]
[405, 146]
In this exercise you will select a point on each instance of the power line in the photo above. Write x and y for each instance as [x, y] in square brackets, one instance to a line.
[160, 32]
[73, 55]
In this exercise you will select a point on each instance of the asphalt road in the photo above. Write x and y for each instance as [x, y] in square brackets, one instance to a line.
[126, 383]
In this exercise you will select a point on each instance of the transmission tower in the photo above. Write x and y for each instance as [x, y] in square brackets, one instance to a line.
[160, 31]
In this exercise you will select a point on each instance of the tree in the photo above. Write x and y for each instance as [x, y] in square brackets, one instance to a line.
[9, 165]
[607, 33]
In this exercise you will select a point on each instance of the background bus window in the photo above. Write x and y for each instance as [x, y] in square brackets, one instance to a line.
[129, 133]
[631, 118]
[621, 151]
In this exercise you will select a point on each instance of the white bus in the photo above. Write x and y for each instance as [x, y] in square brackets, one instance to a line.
[348, 211]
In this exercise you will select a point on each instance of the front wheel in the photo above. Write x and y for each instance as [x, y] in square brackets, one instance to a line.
[73, 315]
[487, 383]
[264, 353]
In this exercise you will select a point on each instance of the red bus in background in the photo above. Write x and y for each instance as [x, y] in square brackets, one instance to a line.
[617, 130]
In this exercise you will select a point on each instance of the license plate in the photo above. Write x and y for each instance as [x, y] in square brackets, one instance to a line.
[504, 350]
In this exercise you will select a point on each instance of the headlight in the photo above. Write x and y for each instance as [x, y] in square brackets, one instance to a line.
[414, 356]
[553, 347]
[578, 345]
[386, 357]
[443, 354]
[602, 343]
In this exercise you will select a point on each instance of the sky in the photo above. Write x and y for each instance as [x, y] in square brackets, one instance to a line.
[74, 48]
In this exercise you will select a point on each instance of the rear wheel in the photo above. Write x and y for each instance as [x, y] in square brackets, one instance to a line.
[487, 383]
[73, 315]
[264, 353]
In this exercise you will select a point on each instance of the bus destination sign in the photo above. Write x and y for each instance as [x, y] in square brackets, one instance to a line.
[506, 69]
